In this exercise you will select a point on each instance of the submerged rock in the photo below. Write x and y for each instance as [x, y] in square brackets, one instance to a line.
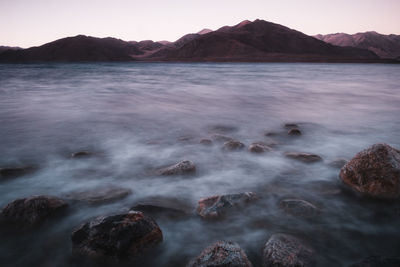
[377, 261]
[221, 138]
[218, 206]
[337, 163]
[290, 125]
[117, 236]
[303, 157]
[374, 172]
[259, 147]
[13, 172]
[299, 208]
[180, 168]
[28, 212]
[100, 194]
[206, 142]
[221, 254]
[164, 206]
[222, 128]
[294, 132]
[286, 251]
[233, 145]
[81, 154]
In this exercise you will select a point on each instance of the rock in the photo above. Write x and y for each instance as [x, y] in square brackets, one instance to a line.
[259, 147]
[299, 208]
[374, 172]
[170, 207]
[221, 138]
[271, 134]
[221, 254]
[303, 157]
[206, 142]
[337, 163]
[377, 261]
[233, 145]
[222, 128]
[118, 236]
[13, 172]
[286, 251]
[31, 211]
[294, 132]
[290, 125]
[180, 168]
[81, 154]
[98, 195]
[218, 206]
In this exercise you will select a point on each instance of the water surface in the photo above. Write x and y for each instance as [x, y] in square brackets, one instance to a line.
[140, 116]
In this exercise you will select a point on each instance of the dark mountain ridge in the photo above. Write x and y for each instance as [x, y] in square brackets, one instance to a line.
[257, 41]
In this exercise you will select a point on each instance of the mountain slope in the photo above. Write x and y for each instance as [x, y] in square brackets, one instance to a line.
[78, 48]
[259, 41]
[385, 46]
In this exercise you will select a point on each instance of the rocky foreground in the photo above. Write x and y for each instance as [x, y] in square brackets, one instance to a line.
[373, 173]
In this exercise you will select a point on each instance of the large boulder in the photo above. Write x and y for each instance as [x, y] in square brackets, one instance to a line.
[31, 211]
[221, 254]
[298, 208]
[283, 250]
[217, 206]
[118, 236]
[374, 172]
[100, 194]
[180, 168]
[303, 157]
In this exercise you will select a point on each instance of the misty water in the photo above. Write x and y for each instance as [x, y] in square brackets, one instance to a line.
[136, 117]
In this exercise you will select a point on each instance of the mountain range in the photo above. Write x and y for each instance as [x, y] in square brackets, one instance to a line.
[385, 46]
[248, 41]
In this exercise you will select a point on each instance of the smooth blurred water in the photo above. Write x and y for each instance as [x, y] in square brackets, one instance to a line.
[142, 116]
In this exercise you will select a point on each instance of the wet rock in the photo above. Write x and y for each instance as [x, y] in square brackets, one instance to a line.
[164, 206]
[233, 145]
[286, 251]
[81, 154]
[374, 172]
[271, 134]
[337, 163]
[259, 147]
[299, 208]
[294, 132]
[221, 254]
[303, 157]
[377, 261]
[98, 195]
[220, 138]
[206, 142]
[118, 236]
[31, 211]
[218, 206]
[180, 168]
[14, 172]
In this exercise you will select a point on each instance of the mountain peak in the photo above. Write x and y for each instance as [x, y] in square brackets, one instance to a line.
[204, 31]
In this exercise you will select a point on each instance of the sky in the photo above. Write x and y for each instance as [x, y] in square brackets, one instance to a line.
[27, 23]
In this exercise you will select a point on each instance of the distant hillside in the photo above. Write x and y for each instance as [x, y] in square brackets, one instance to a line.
[385, 46]
[257, 41]
[78, 48]
[4, 48]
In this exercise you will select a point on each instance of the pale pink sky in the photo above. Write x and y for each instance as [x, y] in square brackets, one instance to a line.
[28, 23]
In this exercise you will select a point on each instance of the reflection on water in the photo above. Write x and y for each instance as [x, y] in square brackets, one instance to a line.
[137, 117]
